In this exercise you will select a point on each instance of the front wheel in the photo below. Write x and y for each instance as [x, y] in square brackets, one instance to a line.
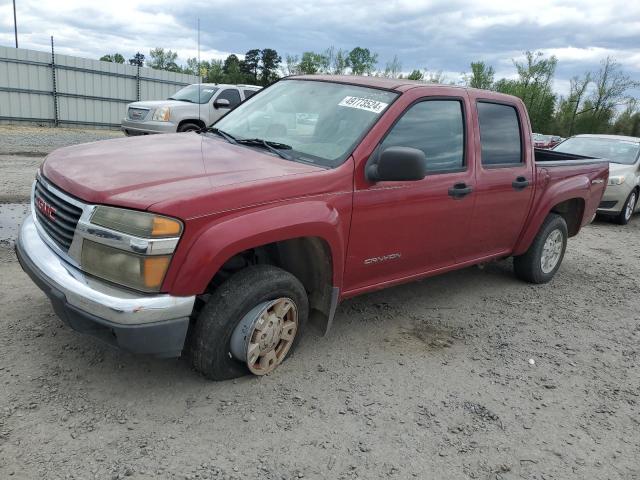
[541, 262]
[189, 127]
[628, 209]
[249, 324]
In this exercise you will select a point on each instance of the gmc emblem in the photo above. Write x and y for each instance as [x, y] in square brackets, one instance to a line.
[46, 209]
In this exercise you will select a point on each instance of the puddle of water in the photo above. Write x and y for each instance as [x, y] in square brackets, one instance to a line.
[11, 217]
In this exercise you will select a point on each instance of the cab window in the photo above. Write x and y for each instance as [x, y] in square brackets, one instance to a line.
[500, 139]
[232, 95]
[437, 128]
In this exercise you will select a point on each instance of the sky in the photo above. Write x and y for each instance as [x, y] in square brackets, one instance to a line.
[438, 35]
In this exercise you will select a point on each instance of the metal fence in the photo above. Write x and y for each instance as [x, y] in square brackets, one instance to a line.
[44, 87]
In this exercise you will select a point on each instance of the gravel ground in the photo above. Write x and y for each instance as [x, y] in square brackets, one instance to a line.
[22, 149]
[472, 374]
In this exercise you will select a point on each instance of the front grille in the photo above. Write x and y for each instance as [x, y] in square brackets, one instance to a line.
[607, 204]
[57, 216]
[137, 113]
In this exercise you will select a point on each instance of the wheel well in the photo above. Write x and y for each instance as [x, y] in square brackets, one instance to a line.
[572, 211]
[308, 259]
[198, 122]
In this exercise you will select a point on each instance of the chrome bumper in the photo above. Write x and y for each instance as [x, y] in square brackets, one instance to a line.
[96, 297]
[148, 126]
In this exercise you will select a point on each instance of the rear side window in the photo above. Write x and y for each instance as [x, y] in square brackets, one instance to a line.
[500, 139]
[232, 95]
[437, 128]
[248, 93]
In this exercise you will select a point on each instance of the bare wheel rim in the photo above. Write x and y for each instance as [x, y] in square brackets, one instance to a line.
[551, 251]
[273, 333]
[630, 206]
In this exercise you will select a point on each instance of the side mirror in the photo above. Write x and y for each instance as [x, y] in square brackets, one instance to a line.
[398, 164]
[222, 103]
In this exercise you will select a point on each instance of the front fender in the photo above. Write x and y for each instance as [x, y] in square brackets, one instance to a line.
[242, 230]
[550, 194]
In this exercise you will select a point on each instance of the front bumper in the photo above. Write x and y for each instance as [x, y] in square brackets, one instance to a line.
[148, 324]
[148, 126]
[614, 198]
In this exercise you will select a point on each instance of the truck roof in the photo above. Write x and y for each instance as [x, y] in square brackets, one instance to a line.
[397, 84]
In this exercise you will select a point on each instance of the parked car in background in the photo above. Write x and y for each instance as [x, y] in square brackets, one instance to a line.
[317, 189]
[545, 141]
[620, 199]
[192, 108]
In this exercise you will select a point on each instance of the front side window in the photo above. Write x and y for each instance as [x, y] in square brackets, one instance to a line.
[230, 94]
[194, 94]
[319, 122]
[437, 128]
[499, 134]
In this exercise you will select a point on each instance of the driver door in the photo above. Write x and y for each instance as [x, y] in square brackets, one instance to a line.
[405, 229]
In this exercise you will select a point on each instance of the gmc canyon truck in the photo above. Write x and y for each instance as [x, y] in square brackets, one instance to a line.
[222, 244]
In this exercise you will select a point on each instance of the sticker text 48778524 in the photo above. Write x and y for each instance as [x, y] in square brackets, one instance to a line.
[363, 104]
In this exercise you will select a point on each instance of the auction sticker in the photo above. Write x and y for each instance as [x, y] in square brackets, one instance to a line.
[363, 104]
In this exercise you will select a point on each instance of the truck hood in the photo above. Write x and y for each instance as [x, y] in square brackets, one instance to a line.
[153, 104]
[137, 172]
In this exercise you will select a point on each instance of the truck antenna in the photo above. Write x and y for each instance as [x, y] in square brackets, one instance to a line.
[199, 72]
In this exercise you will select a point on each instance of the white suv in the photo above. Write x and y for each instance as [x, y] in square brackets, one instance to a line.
[191, 108]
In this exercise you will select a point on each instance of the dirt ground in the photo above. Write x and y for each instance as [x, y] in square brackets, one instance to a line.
[472, 374]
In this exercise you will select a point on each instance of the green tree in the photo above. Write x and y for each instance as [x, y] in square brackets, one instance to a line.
[137, 60]
[628, 122]
[251, 64]
[393, 68]
[115, 58]
[534, 87]
[361, 61]
[339, 62]
[416, 75]
[481, 76]
[568, 108]
[164, 60]
[232, 70]
[611, 87]
[291, 65]
[312, 63]
[216, 74]
[270, 61]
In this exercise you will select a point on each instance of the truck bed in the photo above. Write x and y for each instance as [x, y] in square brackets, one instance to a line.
[551, 158]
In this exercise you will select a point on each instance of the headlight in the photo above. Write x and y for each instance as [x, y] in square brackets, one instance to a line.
[618, 180]
[144, 273]
[161, 114]
[140, 224]
[118, 263]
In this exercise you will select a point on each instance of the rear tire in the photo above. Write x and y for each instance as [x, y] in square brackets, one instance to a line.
[189, 127]
[541, 262]
[210, 336]
[627, 210]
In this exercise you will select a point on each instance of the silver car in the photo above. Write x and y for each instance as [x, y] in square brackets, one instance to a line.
[620, 199]
[191, 108]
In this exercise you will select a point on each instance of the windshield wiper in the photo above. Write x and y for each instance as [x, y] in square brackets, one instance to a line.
[228, 137]
[274, 147]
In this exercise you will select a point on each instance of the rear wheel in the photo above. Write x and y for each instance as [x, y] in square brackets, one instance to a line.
[250, 324]
[627, 210]
[541, 262]
[189, 127]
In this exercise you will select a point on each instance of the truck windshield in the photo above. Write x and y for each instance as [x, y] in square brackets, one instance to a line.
[194, 94]
[322, 122]
[612, 149]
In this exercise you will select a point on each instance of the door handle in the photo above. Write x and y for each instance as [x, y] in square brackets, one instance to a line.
[460, 190]
[520, 183]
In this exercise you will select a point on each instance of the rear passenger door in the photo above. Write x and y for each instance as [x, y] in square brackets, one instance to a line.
[504, 179]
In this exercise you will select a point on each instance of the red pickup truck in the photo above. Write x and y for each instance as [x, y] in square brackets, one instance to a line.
[222, 244]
